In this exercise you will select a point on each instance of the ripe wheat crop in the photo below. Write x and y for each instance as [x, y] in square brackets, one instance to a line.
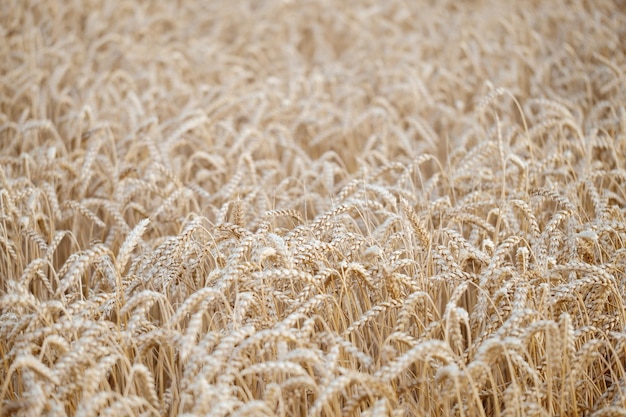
[312, 208]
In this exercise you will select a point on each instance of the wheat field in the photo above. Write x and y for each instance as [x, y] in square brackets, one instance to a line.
[312, 208]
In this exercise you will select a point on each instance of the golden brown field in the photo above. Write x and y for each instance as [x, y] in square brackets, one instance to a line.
[312, 208]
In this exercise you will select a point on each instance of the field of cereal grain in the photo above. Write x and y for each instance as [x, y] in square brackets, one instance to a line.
[312, 208]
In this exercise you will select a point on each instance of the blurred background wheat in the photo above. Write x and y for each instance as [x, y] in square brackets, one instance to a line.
[324, 208]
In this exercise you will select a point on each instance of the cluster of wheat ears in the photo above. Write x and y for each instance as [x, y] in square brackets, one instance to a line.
[319, 207]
